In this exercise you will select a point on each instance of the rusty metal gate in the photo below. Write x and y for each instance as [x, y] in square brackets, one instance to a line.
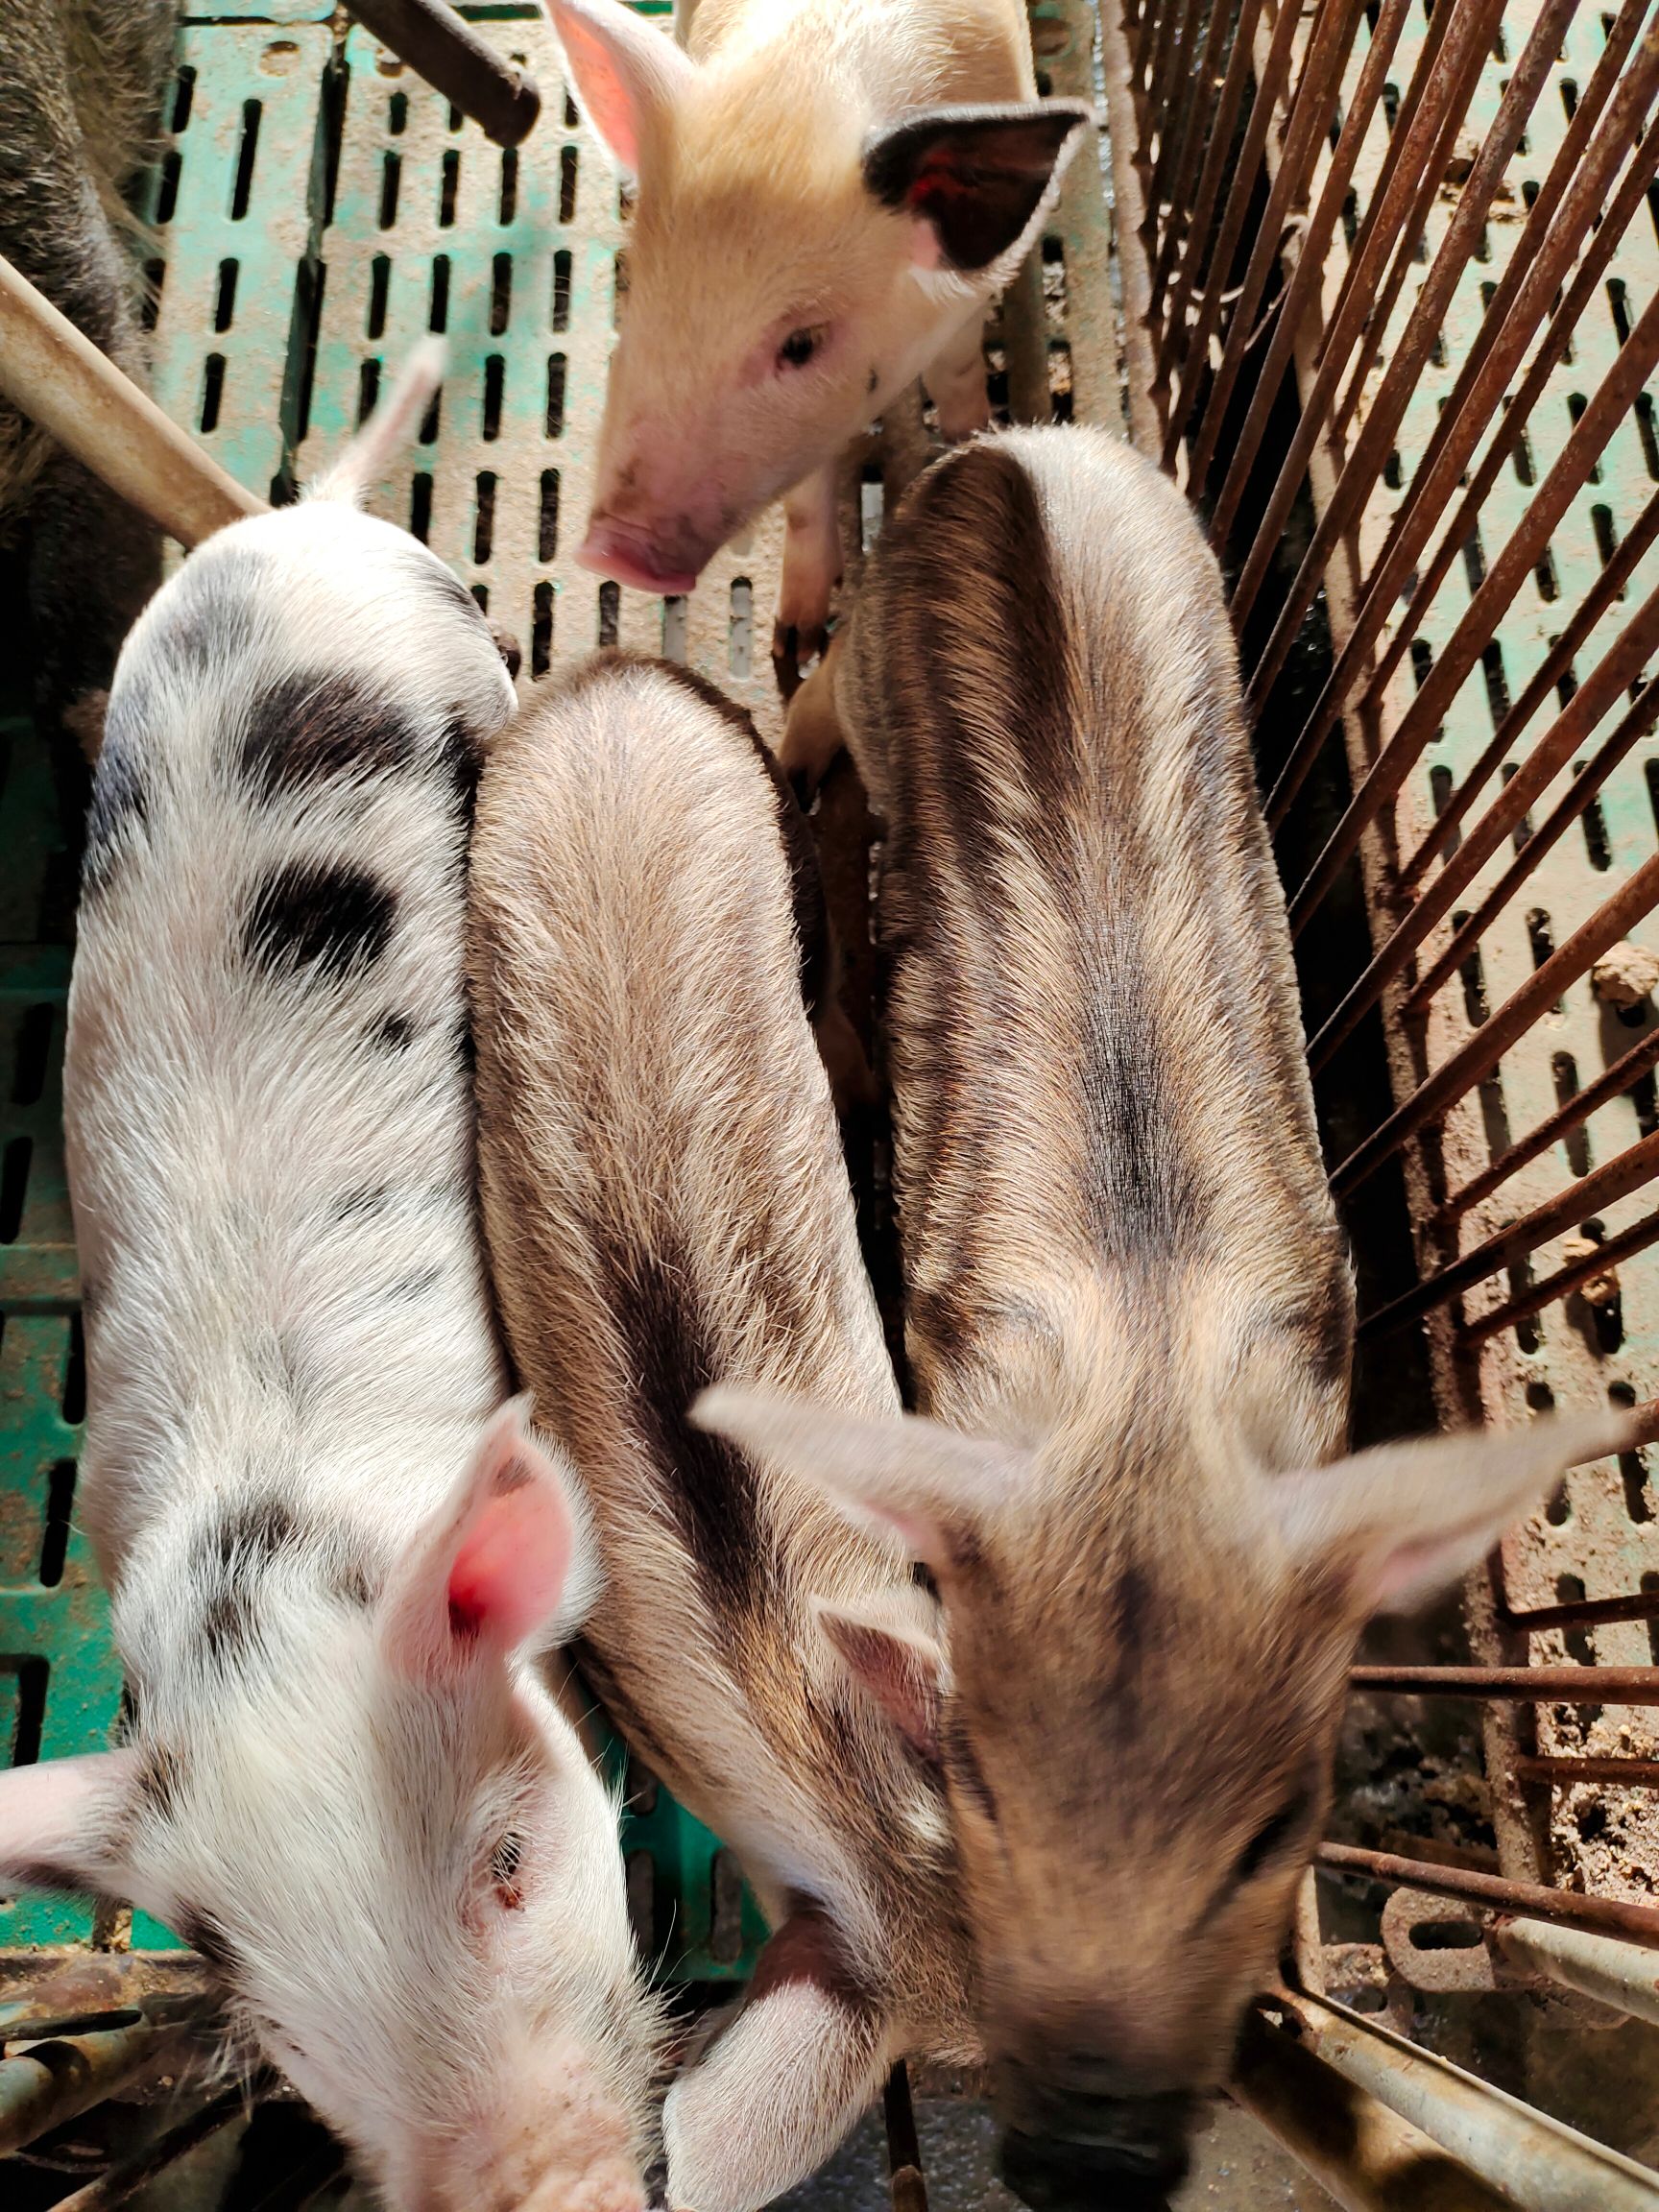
[1380, 284]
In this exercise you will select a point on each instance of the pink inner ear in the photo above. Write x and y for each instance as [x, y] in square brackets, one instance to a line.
[509, 1574]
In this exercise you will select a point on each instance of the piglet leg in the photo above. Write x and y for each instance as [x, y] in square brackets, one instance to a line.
[956, 384]
[812, 571]
[784, 2083]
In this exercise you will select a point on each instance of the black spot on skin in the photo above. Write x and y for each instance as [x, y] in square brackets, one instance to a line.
[334, 920]
[213, 610]
[234, 1552]
[227, 1625]
[361, 1204]
[708, 1483]
[417, 1285]
[253, 1532]
[311, 727]
[161, 1778]
[392, 1033]
[349, 1578]
[120, 810]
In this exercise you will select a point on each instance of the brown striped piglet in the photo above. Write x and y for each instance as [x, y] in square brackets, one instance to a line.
[829, 193]
[333, 1552]
[1129, 1310]
[665, 1202]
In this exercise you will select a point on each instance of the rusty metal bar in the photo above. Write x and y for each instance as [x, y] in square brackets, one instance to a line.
[497, 94]
[1612, 677]
[1566, 1908]
[1158, 71]
[907, 2185]
[1563, 1773]
[1308, 121]
[1599, 252]
[1536, 2161]
[1516, 1686]
[1366, 2157]
[1468, 36]
[1486, 1046]
[1200, 107]
[1539, 270]
[1584, 1613]
[1386, 410]
[123, 2182]
[1631, 729]
[1270, 90]
[1381, 309]
[1612, 1083]
[59, 378]
[51, 2083]
[1581, 1200]
[1618, 1975]
[1174, 129]
[1192, 253]
[1302, 290]
[1624, 1247]
[1612, 402]
[1608, 586]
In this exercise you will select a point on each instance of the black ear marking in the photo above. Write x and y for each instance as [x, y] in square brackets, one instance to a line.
[978, 175]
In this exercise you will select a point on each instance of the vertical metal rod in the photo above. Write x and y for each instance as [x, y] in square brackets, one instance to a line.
[1612, 401]
[1173, 343]
[1270, 90]
[1174, 128]
[1607, 587]
[1199, 111]
[1388, 408]
[1132, 260]
[1467, 37]
[1538, 270]
[1305, 134]
[1508, 810]
[1303, 288]
[1440, 1091]
[907, 2185]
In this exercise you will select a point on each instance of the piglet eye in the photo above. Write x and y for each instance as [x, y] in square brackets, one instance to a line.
[1272, 1837]
[799, 347]
[504, 1863]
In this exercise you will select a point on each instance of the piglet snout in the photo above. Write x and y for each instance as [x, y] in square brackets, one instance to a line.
[631, 555]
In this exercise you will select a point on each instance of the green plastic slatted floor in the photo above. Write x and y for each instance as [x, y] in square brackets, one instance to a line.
[271, 120]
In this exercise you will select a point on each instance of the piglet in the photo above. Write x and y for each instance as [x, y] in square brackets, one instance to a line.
[829, 192]
[665, 1202]
[1128, 1305]
[332, 1550]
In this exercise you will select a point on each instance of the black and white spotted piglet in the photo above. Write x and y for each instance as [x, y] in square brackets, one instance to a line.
[333, 1552]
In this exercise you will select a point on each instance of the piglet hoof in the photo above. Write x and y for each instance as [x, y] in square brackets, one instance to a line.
[794, 649]
[511, 651]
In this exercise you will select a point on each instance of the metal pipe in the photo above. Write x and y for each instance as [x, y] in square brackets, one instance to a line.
[1602, 1916]
[1583, 1613]
[1581, 1201]
[1525, 1685]
[59, 378]
[1202, 105]
[1535, 2161]
[1615, 1249]
[1619, 1975]
[907, 2185]
[124, 2181]
[1143, 431]
[51, 2083]
[1475, 1060]
[1613, 400]
[1365, 2156]
[497, 94]
[1612, 1083]
[1566, 1773]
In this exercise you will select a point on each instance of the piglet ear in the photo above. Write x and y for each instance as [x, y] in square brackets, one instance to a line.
[1407, 1519]
[902, 1668]
[899, 1476]
[498, 1566]
[975, 178]
[628, 74]
[59, 1821]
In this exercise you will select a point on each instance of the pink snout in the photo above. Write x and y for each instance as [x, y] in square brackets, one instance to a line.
[631, 555]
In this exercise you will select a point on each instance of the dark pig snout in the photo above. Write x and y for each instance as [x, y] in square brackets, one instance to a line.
[1073, 2144]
